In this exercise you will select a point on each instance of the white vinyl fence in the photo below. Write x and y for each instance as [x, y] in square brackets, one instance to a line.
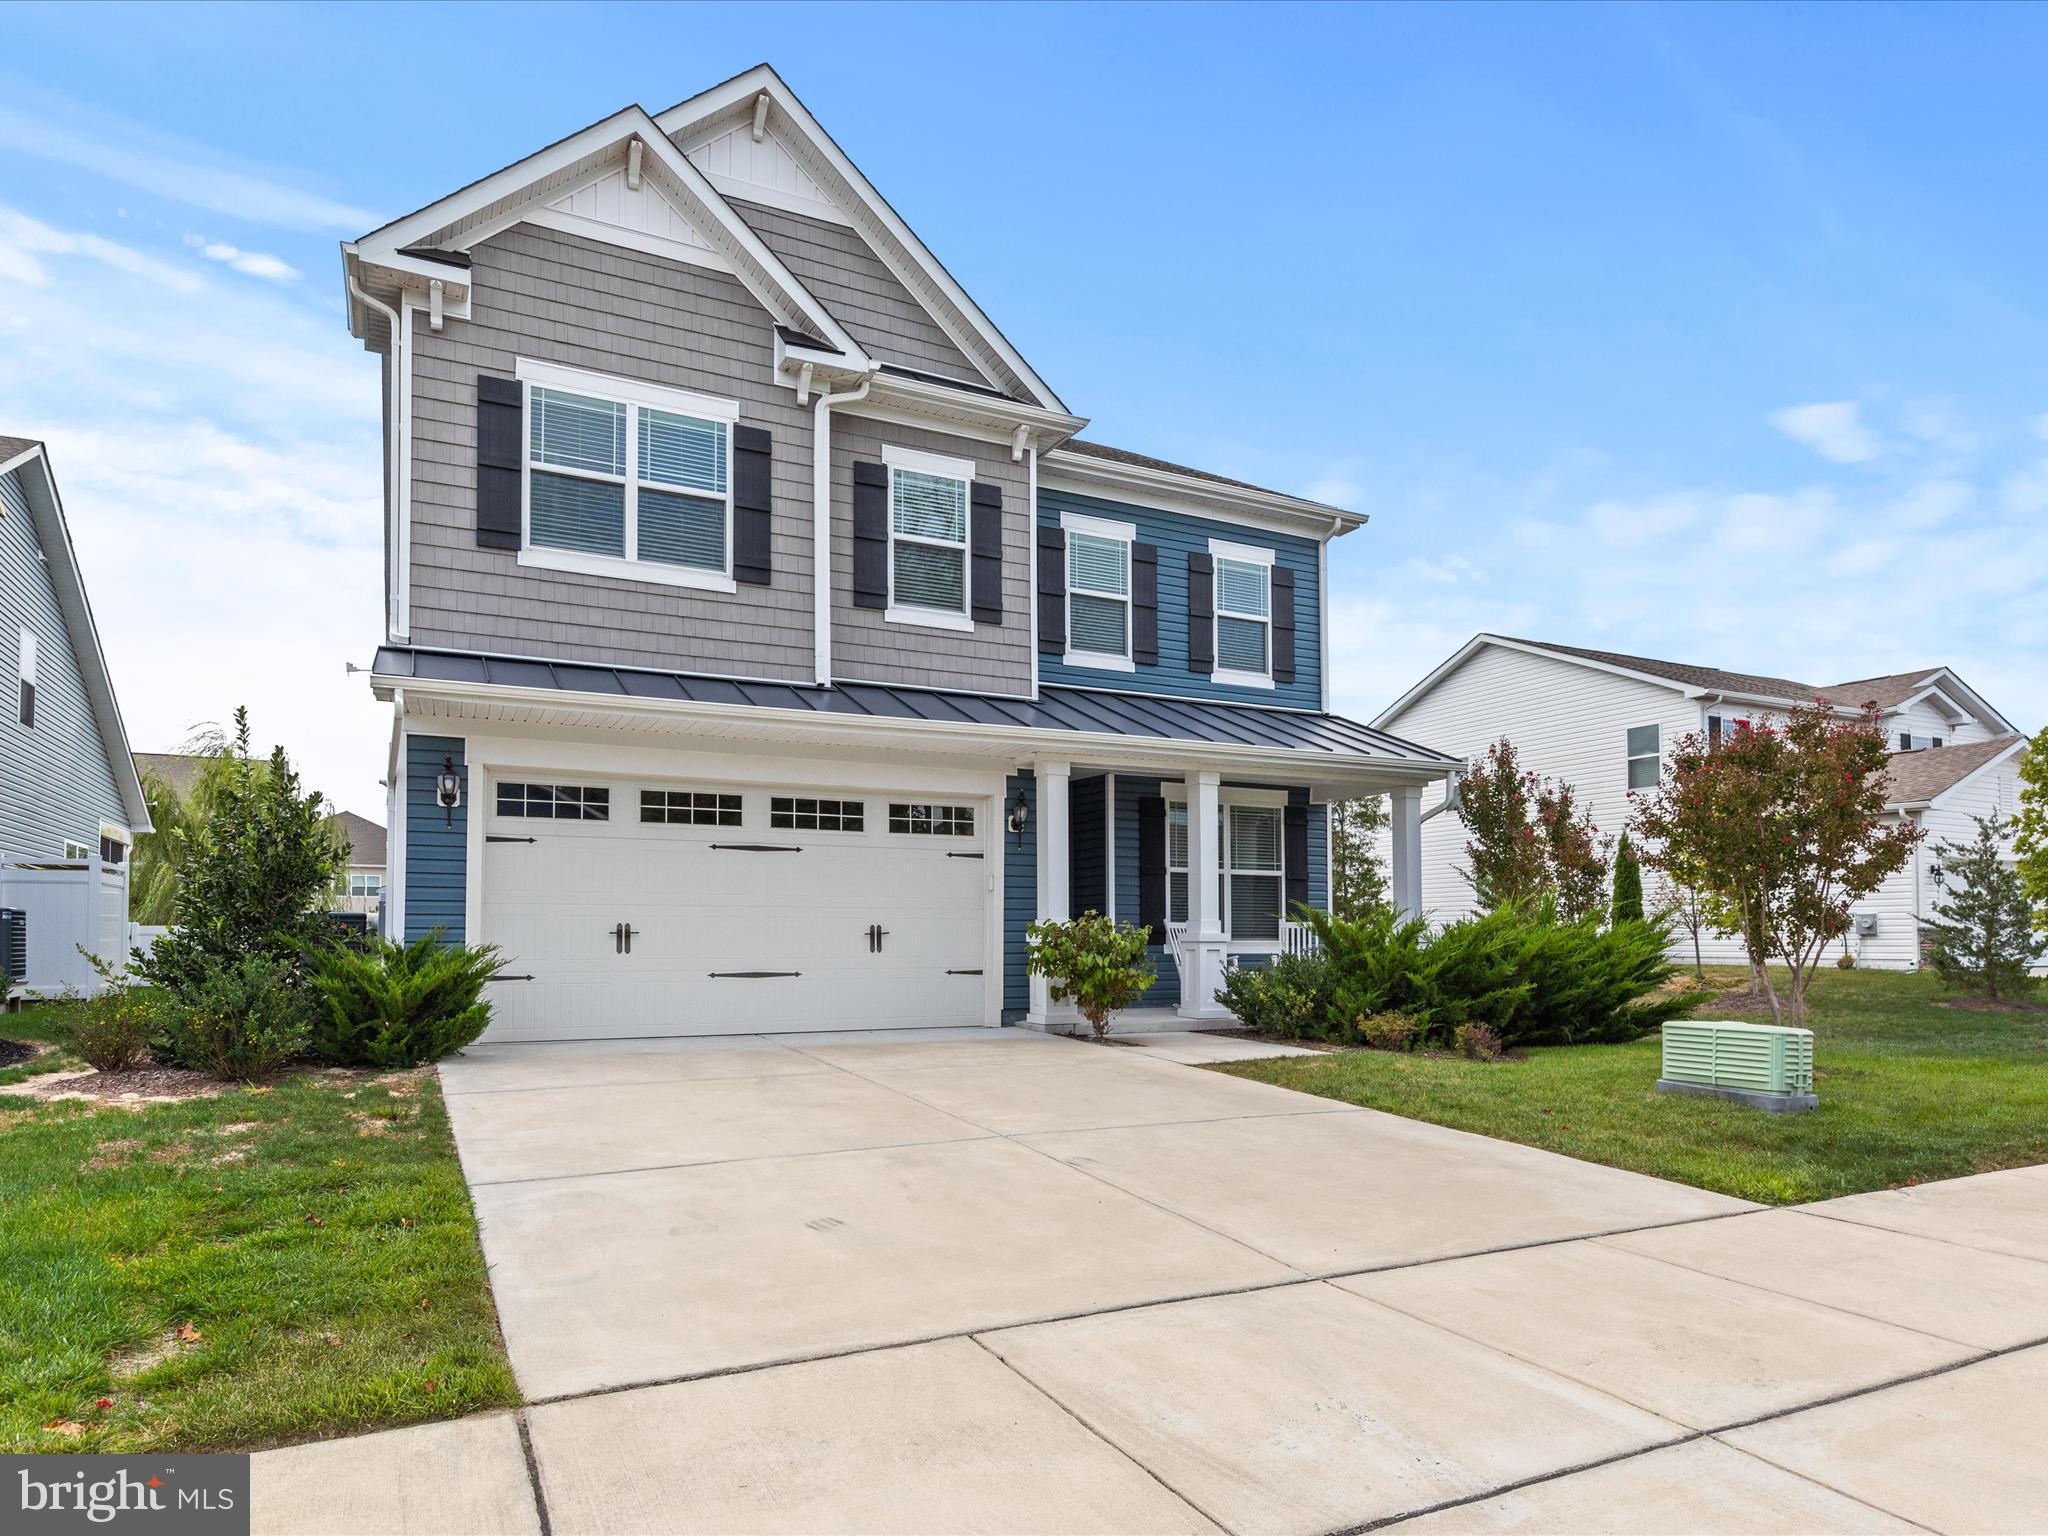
[69, 903]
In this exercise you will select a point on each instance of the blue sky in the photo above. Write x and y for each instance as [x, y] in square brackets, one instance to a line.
[1713, 333]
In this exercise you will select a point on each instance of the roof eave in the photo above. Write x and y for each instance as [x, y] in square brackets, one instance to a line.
[1312, 518]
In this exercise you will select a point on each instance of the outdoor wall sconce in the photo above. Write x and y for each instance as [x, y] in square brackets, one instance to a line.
[448, 788]
[1019, 817]
[1939, 875]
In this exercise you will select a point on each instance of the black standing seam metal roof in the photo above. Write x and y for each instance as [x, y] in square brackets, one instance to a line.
[1096, 712]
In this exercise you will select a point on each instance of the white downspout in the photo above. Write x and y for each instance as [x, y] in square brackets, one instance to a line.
[821, 523]
[394, 625]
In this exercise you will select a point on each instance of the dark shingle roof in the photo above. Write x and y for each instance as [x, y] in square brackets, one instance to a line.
[1055, 709]
[179, 770]
[15, 447]
[1682, 672]
[365, 839]
[1913, 777]
[1887, 692]
[1146, 461]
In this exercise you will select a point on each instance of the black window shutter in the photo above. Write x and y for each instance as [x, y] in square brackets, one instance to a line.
[753, 519]
[500, 439]
[1152, 865]
[870, 536]
[1201, 611]
[1283, 624]
[1145, 604]
[1294, 852]
[985, 542]
[1052, 589]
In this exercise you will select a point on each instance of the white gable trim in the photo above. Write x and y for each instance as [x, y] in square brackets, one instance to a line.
[53, 535]
[503, 198]
[1965, 702]
[702, 118]
[1479, 642]
[760, 171]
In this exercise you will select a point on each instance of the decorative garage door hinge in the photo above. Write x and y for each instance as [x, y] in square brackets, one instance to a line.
[758, 848]
[974, 972]
[500, 837]
[753, 975]
[963, 855]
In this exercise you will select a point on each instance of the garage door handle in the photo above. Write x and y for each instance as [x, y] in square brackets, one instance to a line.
[758, 848]
[753, 975]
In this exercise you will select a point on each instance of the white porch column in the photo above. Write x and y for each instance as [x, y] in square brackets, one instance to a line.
[1055, 885]
[1207, 943]
[1404, 871]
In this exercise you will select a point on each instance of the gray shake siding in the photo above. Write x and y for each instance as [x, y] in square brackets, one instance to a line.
[56, 784]
[868, 648]
[563, 299]
[862, 294]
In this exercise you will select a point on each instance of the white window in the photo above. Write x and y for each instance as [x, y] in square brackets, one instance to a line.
[1911, 743]
[1642, 757]
[27, 672]
[1723, 727]
[365, 883]
[928, 500]
[924, 820]
[1244, 615]
[75, 850]
[1099, 592]
[626, 478]
[555, 802]
[1255, 893]
[1176, 861]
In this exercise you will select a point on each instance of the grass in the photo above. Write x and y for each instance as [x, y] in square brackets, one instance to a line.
[1909, 1091]
[271, 1265]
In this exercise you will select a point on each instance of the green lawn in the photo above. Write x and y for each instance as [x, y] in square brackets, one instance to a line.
[1909, 1091]
[313, 1242]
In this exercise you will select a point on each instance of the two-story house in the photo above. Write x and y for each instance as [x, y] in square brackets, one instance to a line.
[766, 651]
[71, 805]
[1605, 722]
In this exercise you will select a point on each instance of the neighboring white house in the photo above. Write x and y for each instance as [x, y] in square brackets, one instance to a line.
[1604, 722]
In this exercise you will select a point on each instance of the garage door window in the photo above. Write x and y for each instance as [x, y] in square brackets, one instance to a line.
[802, 814]
[555, 802]
[689, 808]
[932, 820]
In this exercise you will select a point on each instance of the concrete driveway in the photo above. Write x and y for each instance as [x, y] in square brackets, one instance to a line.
[1000, 1282]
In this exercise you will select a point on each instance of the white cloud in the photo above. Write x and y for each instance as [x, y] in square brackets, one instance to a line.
[1631, 525]
[23, 241]
[1339, 486]
[1832, 430]
[253, 263]
[1932, 503]
[140, 157]
[1757, 523]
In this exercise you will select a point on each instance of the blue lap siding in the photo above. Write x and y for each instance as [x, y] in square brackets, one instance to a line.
[436, 842]
[1176, 534]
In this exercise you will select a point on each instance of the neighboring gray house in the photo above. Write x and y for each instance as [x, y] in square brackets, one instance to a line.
[1604, 722]
[766, 651]
[364, 889]
[70, 804]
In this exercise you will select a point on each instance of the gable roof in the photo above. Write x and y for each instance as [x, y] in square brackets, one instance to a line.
[27, 458]
[365, 839]
[1713, 679]
[178, 771]
[408, 250]
[828, 166]
[1914, 778]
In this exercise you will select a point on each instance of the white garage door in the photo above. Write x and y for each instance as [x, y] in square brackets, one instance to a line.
[645, 909]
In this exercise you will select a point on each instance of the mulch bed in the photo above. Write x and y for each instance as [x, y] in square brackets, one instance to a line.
[133, 1085]
[14, 1052]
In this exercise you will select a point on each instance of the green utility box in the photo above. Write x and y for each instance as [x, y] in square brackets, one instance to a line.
[1767, 1065]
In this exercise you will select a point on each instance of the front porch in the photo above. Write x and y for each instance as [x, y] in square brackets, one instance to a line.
[1216, 867]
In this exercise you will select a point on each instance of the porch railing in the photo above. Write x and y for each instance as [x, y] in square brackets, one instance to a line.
[1299, 938]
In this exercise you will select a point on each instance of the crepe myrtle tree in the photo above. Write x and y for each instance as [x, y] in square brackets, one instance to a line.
[1095, 962]
[2030, 828]
[1784, 828]
[1529, 838]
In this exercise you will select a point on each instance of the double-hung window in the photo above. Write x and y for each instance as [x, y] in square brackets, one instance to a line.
[928, 500]
[26, 670]
[1257, 883]
[1643, 762]
[1176, 861]
[627, 478]
[1244, 614]
[1098, 591]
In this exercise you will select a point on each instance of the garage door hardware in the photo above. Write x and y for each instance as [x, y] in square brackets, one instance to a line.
[963, 855]
[753, 975]
[876, 933]
[622, 938]
[758, 848]
[500, 837]
[975, 972]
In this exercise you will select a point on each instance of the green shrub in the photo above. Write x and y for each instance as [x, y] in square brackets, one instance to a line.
[1387, 1031]
[1286, 1000]
[112, 1029]
[390, 1005]
[1628, 884]
[1094, 962]
[244, 1020]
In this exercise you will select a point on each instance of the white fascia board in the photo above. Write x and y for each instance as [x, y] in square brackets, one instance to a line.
[1964, 702]
[990, 415]
[870, 207]
[53, 535]
[479, 700]
[1141, 485]
[760, 269]
[1383, 720]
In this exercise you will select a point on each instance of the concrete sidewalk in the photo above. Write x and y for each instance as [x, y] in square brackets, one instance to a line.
[1011, 1283]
